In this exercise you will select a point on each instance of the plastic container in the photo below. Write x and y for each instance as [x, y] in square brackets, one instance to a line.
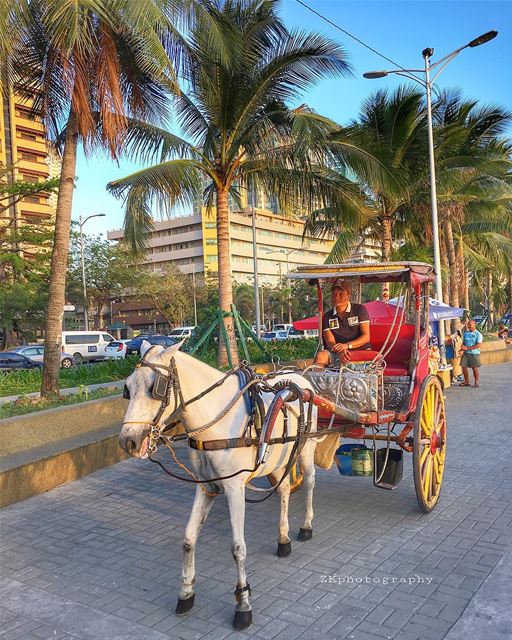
[354, 460]
[362, 461]
[344, 458]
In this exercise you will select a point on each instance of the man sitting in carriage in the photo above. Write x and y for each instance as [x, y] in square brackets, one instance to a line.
[345, 327]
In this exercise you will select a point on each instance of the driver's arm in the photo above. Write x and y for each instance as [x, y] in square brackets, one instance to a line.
[329, 338]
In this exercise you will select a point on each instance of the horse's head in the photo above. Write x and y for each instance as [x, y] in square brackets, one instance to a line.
[147, 390]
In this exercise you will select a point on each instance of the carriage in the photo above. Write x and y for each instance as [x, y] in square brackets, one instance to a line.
[386, 395]
[240, 426]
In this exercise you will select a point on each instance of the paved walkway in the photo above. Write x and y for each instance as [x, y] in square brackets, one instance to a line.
[100, 558]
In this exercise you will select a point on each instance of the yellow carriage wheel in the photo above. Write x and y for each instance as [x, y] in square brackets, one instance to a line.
[429, 447]
[296, 478]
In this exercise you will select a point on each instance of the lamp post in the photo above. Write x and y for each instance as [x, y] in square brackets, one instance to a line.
[427, 82]
[81, 223]
[255, 269]
[194, 291]
[287, 252]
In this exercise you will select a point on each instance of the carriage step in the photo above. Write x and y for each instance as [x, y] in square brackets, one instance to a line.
[392, 473]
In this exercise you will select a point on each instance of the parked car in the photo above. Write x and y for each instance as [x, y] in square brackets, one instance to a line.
[12, 361]
[133, 346]
[36, 352]
[178, 333]
[116, 350]
[272, 336]
[86, 345]
[263, 328]
[282, 327]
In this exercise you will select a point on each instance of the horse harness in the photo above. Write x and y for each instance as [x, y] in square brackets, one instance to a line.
[167, 384]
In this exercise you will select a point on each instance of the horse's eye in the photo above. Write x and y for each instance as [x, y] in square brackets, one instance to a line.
[150, 390]
[126, 393]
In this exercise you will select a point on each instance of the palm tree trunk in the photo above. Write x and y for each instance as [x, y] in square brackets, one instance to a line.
[386, 237]
[445, 268]
[452, 263]
[55, 315]
[490, 299]
[509, 310]
[462, 272]
[466, 289]
[225, 286]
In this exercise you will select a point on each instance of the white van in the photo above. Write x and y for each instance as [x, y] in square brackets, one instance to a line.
[86, 345]
[181, 332]
[282, 327]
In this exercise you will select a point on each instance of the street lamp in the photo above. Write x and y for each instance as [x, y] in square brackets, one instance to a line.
[427, 84]
[287, 252]
[81, 224]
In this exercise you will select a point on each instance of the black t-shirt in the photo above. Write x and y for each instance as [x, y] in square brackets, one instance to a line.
[346, 326]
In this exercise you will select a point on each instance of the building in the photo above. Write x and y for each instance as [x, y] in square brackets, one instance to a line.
[24, 149]
[191, 243]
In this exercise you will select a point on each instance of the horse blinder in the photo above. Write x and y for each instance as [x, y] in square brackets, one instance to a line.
[126, 393]
[159, 387]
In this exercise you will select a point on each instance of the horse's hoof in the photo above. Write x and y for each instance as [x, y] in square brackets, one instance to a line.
[242, 620]
[185, 604]
[284, 549]
[305, 534]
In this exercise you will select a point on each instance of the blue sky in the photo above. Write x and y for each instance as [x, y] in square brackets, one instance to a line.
[398, 29]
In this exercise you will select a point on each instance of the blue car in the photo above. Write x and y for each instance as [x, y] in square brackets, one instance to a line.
[134, 345]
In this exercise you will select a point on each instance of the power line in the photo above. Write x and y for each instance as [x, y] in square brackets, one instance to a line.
[336, 26]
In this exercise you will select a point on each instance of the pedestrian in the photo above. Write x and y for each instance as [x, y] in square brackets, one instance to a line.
[453, 345]
[470, 350]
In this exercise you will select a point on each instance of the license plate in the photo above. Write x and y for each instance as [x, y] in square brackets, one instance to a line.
[92, 349]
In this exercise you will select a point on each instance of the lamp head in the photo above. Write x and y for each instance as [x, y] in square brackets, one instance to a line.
[427, 53]
[490, 35]
[372, 75]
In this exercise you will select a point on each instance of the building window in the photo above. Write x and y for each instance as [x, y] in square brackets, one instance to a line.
[29, 178]
[30, 157]
[210, 225]
[211, 258]
[28, 136]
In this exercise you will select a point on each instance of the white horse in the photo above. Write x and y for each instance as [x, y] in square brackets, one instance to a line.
[195, 376]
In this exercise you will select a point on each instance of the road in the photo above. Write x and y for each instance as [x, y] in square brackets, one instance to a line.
[101, 557]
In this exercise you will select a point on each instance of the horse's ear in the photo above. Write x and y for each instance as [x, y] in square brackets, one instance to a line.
[177, 346]
[144, 348]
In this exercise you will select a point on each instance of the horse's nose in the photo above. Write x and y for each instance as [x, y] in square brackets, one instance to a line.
[131, 446]
[127, 444]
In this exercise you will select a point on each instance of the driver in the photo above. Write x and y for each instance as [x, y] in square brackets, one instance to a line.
[345, 327]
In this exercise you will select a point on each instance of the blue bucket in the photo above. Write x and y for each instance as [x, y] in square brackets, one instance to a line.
[344, 458]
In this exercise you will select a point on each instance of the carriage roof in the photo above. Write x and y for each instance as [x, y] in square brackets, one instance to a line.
[415, 272]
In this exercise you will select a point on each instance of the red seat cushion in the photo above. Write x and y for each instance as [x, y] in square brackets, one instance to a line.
[393, 370]
[361, 355]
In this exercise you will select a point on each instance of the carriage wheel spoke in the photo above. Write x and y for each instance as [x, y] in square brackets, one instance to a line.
[427, 480]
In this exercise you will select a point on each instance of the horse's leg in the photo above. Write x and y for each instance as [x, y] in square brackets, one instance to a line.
[235, 493]
[200, 510]
[284, 545]
[307, 461]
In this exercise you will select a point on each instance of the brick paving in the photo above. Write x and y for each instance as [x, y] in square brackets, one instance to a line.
[101, 557]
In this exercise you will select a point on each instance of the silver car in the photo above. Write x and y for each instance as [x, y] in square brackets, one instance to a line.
[36, 353]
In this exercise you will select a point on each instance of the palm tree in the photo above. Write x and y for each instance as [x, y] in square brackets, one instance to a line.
[90, 65]
[474, 196]
[241, 69]
[390, 134]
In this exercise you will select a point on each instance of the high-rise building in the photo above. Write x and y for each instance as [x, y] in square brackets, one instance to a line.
[25, 151]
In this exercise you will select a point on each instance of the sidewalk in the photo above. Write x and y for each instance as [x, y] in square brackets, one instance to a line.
[100, 558]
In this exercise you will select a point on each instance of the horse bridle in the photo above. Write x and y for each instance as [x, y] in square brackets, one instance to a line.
[164, 385]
